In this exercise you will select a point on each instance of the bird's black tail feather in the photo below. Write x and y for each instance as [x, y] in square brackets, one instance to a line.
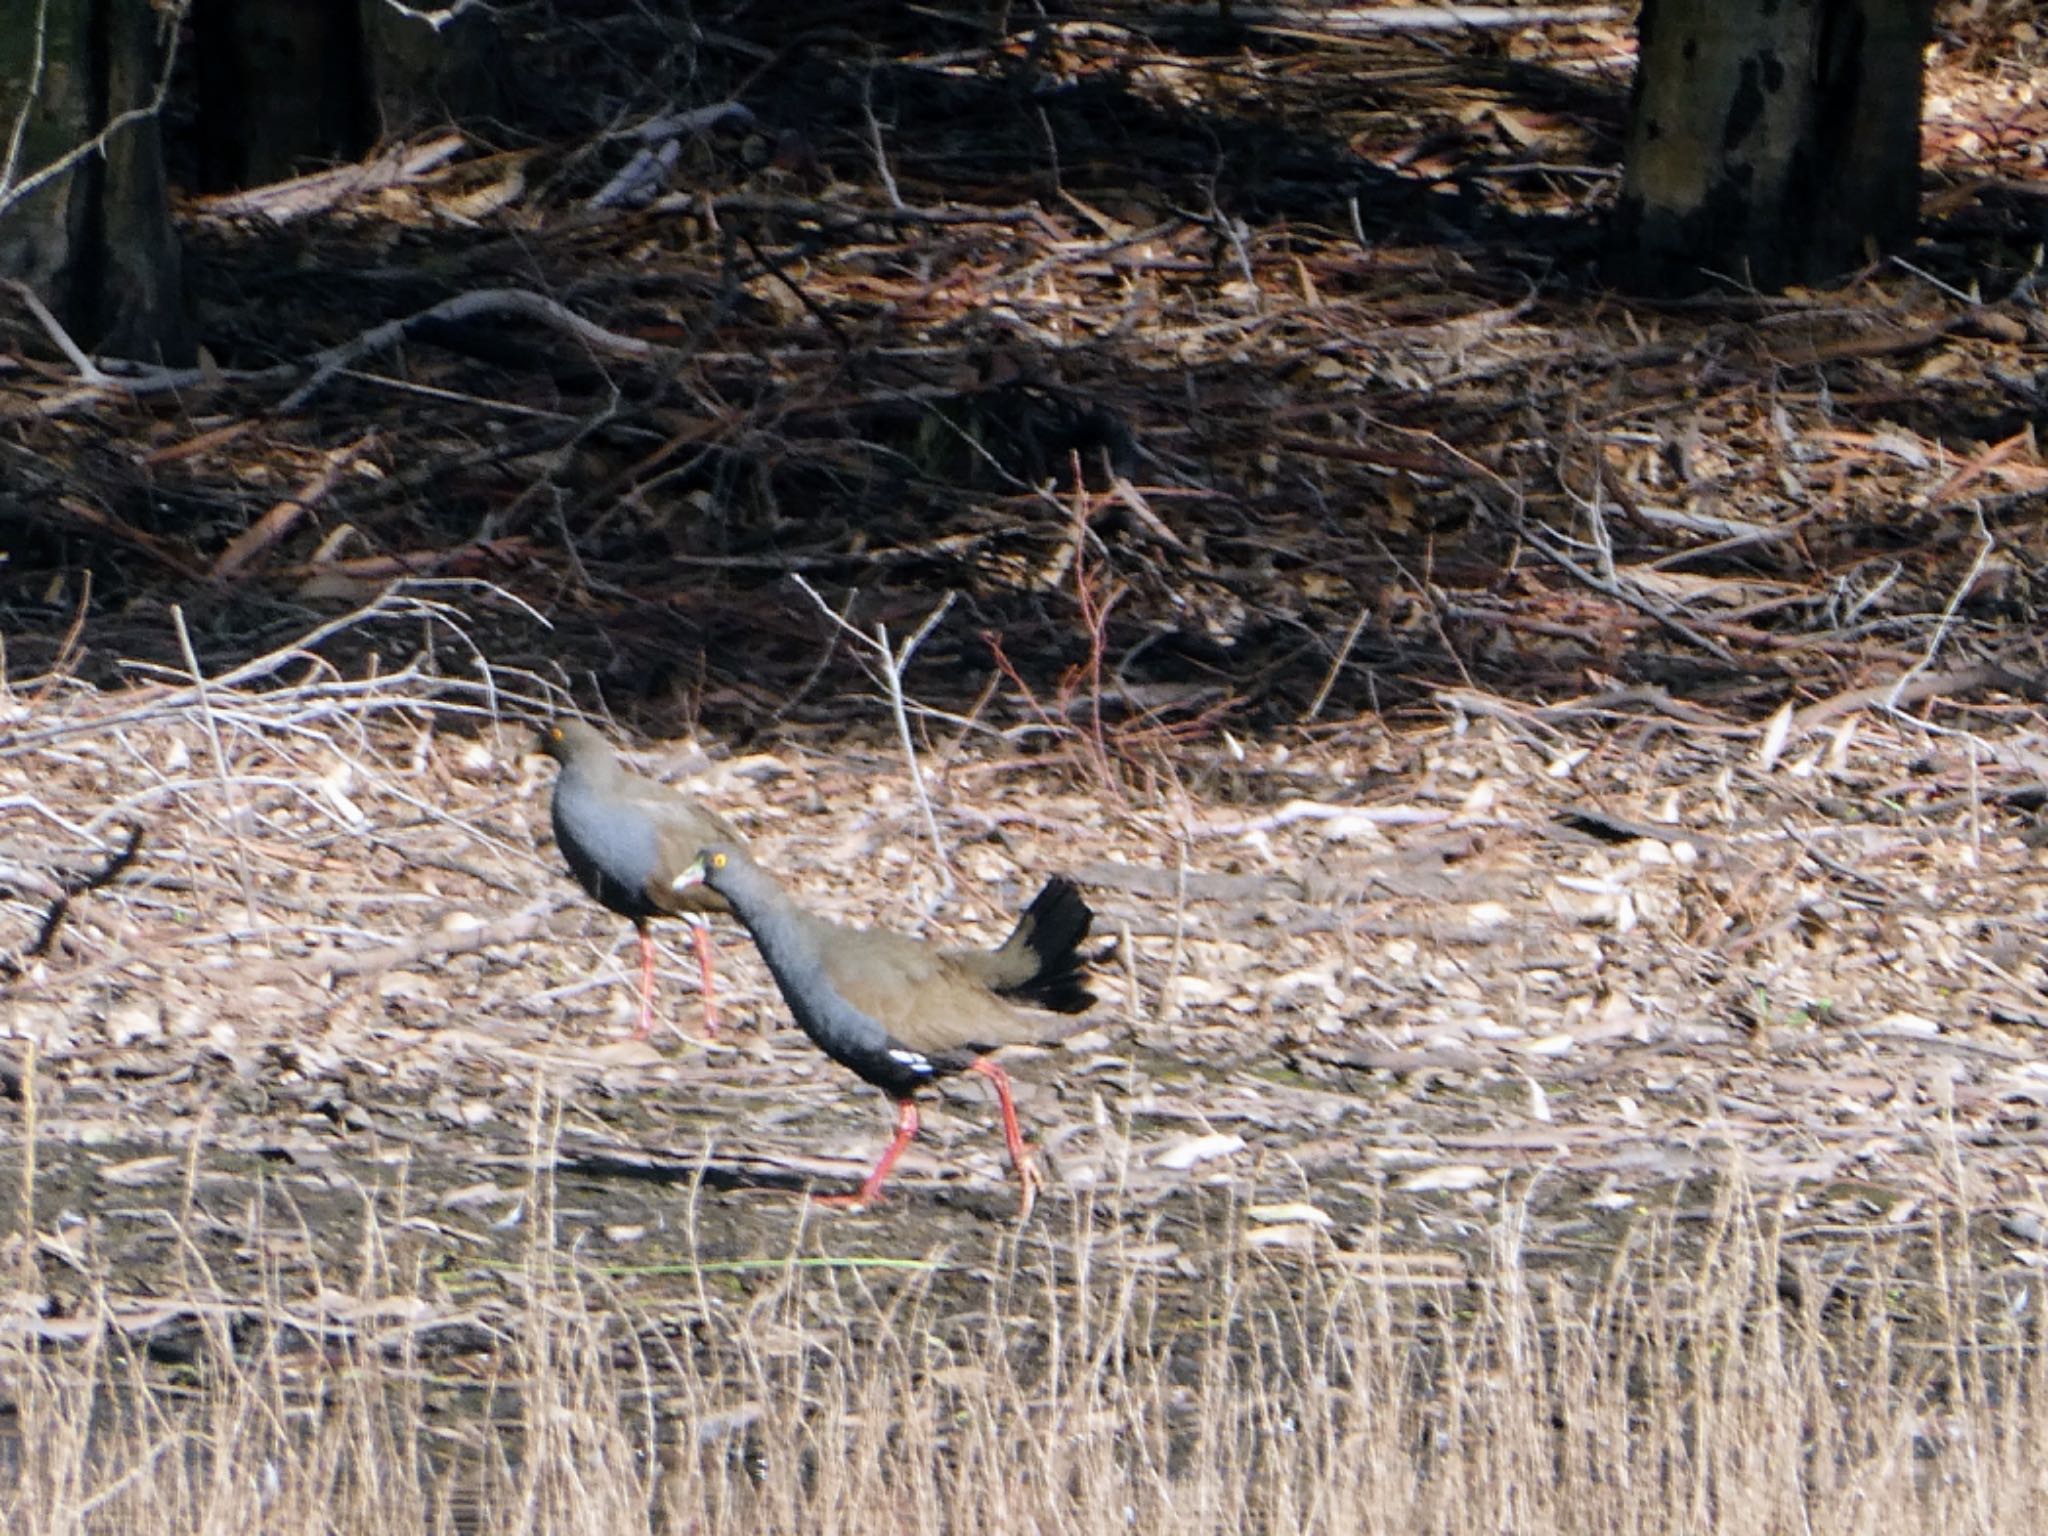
[1052, 929]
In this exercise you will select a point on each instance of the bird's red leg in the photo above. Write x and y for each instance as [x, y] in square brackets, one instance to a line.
[906, 1128]
[700, 931]
[1012, 1134]
[646, 1025]
[1020, 1155]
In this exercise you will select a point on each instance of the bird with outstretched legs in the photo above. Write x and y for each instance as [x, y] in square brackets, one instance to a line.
[626, 839]
[901, 1012]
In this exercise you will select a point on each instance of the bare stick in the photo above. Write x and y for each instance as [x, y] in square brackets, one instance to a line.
[527, 923]
[1986, 543]
[326, 365]
[88, 370]
[514, 301]
[893, 672]
[1621, 593]
[437, 19]
[299, 197]
[891, 663]
[867, 109]
[1337, 662]
[144, 380]
[395, 602]
[37, 58]
[1372, 21]
[824, 660]
[1094, 619]
[269, 529]
[220, 764]
[29, 1131]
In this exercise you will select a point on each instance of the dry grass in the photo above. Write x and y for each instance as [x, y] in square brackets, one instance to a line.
[1701, 1381]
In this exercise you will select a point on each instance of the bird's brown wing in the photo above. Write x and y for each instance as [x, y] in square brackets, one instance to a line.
[682, 830]
[925, 997]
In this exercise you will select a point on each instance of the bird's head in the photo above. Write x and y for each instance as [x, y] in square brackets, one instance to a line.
[565, 739]
[707, 868]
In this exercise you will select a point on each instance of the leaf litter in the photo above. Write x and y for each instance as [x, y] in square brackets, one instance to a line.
[1628, 974]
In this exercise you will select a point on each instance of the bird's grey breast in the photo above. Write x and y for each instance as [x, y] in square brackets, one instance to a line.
[614, 838]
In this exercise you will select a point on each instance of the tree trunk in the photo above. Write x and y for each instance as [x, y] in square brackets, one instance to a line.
[283, 89]
[286, 88]
[95, 243]
[1769, 141]
[424, 76]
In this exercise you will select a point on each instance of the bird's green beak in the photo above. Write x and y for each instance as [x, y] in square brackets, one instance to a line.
[694, 875]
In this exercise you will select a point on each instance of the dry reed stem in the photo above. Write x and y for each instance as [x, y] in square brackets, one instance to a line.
[1684, 1389]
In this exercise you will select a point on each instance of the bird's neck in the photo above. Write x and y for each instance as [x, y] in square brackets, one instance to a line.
[597, 773]
[786, 936]
[793, 943]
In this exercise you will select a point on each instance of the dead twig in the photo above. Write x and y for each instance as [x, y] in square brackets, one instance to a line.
[890, 664]
[394, 603]
[1095, 620]
[773, 268]
[661, 142]
[524, 924]
[300, 197]
[1620, 593]
[273, 525]
[220, 764]
[1912, 688]
[1379, 20]
[62, 892]
[12, 191]
[1985, 545]
[1337, 662]
[875, 146]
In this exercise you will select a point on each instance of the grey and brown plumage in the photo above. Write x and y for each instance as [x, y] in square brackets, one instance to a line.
[901, 1012]
[626, 839]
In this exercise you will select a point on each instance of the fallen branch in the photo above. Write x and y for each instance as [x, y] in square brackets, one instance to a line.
[661, 142]
[1914, 687]
[325, 365]
[1379, 20]
[524, 924]
[273, 525]
[303, 196]
[467, 306]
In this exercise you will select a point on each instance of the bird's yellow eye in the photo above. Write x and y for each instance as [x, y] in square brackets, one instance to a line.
[718, 861]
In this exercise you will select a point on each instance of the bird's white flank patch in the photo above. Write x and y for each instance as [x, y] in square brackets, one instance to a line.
[916, 1061]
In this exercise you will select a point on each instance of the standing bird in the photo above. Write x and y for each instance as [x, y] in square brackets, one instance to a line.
[627, 839]
[901, 1012]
